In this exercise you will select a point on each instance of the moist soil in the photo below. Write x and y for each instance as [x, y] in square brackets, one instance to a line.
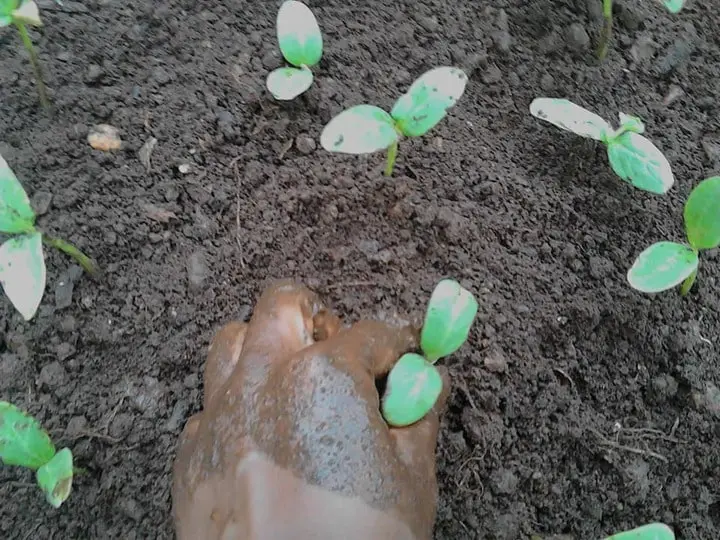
[579, 407]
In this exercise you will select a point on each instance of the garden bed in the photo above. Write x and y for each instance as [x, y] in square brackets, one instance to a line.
[579, 404]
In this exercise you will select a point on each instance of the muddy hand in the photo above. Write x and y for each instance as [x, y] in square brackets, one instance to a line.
[291, 442]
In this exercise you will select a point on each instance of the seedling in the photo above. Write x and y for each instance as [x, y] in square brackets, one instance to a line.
[633, 157]
[665, 265]
[652, 531]
[301, 44]
[414, 384]
[22, 13]
[22, 264]
[673, 6]
[25, 443]
[364, 129]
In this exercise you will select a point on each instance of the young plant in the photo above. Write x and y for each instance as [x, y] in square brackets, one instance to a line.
[22, 13]
[364, 129]
[673, 6]
[633, 157]
[23, 442]
[652, 531]
[414, 384]
[665, 265]
[301, 44]
[22, 264]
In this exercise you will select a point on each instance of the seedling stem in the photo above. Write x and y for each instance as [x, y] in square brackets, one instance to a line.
[83, 260]
[391, 157]
[35, 61]
[606, 32]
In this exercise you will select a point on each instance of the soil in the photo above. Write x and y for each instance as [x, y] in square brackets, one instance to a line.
[580, 407]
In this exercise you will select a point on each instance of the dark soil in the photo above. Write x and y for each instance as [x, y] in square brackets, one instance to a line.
[580, 407]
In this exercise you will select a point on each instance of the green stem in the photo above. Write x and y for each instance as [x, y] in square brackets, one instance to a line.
[391, 157]
[688, 283]
[86, 262]
[35, 61]
[606, 32]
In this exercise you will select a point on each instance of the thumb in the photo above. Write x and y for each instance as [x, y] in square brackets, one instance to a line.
[416, 443]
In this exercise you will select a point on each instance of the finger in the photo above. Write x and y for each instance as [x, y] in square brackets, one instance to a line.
[288, 317]
[416, 443]
[223, 356]
[373, 345]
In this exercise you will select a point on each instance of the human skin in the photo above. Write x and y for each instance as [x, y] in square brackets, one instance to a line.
[291, 443]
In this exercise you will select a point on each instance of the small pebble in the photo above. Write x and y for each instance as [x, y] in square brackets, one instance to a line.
[305, 144]
[577, 38]
[197, 269]
[496, 362]
[41, 202]
[492, 74]
[104, 137]
[547, 82]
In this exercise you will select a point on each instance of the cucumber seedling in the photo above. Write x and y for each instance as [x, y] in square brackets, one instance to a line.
[24, 13]
[414, 383]
[25, 443]
[633, 157]
[364, 129]
[665, 265]
[22, 263]
[673, 6]
[301, 44]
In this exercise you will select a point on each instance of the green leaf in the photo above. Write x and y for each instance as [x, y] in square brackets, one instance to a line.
[413, 387]
[22, 272]
[638, 161]
[56, 476]
[631, 123]
[702, 214]
[6, 10]
[427, 100]
[662, 266]
[22, 440]
[567, 115]
[450, 314]
[673, 6]
[288, 83]
[16, 214]
[298, 34]
[361, 129]
[652, 531]
[27, 13]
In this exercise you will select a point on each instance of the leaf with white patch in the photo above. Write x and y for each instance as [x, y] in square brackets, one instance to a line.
[567, 115]
[22, 272]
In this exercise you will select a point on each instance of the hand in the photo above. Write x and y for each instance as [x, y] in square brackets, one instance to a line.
[291, 443]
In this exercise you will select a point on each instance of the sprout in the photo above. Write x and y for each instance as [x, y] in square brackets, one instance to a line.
[673, 6]
[22, 264]
[25, 443]
[22, 13]
[665, 265]
[301, 45]
[633, 157]
[364, 129]
[414, 383]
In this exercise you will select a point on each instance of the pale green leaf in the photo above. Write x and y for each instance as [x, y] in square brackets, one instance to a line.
[16, 214]
[631, 123]
[22, 272]
[673, 6]
[361, 129]
[6, 10]
[702, 214]
[56, 476]
[288, 83]
[27, 13]
[662, 266]
[413, 387]
[298, 34]
[638, 161]
[450, 314]
[23, 441]
[427, 100]
[567, 115]
[652, 531]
